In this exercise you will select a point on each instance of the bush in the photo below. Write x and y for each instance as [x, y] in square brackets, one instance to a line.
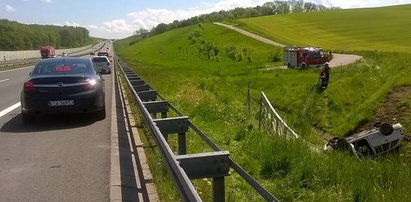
[276, 56]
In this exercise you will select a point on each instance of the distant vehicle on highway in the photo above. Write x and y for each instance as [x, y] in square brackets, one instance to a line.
[47, 52]
[103, 53]
[64, 54]
[92, 53]
[66, 84]
[102, 63]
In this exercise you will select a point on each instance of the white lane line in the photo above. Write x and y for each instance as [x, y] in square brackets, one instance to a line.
[4, 80]
[9, 109]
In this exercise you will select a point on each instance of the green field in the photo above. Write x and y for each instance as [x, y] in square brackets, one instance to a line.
[204, 70]
[382, 29]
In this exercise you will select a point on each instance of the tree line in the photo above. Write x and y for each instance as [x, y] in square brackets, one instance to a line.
[268, 8]
[18, 36]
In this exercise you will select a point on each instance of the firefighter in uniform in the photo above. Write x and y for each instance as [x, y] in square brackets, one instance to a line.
[325, 75]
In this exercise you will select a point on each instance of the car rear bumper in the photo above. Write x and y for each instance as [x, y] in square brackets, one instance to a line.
[83, 102]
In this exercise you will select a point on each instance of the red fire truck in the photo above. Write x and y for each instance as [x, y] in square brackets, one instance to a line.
[302, 57]
[47, 52]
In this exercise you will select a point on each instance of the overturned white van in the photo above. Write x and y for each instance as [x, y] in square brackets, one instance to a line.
[383, 138]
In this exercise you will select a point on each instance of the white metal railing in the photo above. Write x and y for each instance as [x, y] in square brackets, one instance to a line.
[271, 120]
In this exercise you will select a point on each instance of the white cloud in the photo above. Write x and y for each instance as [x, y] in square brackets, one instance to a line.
[46, 1]
[92, 26]
[73, 24]
[118, 26]
[114, 29]
[150, 18]
[9, 8]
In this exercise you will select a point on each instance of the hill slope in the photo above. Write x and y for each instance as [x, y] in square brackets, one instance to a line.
[383, 29]
[204, 70]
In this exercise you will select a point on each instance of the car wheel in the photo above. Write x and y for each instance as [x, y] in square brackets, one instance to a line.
[28, 117]
[101, 115]
[303, 66]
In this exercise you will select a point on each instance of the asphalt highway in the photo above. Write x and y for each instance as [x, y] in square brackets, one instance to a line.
[60, 157]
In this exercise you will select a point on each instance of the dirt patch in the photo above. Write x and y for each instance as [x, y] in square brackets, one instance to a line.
[391, 109]
[323, 134]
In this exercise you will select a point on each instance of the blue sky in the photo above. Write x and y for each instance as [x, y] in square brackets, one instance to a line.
[120, 18]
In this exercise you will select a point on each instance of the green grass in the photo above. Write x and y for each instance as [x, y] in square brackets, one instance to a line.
[383, 29]
[212, 90]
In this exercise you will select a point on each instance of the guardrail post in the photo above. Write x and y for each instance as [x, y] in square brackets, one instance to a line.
[218, 189]
[260, 114]
[276, 124]
[182, 144]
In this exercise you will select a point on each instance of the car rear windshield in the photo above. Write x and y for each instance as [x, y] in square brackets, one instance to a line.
[102, 59]
[102, 54]
[44, 52]
[63, 67]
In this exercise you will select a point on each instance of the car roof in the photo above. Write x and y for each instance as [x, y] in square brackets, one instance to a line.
[101, 56]
[64, 59]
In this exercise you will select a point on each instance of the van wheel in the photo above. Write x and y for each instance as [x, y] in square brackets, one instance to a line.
[386, 129]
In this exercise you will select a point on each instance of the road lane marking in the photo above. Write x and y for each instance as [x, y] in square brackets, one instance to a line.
[4, 80]
[9, 109]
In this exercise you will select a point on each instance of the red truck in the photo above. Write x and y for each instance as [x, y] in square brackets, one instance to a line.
[47, 52]
[295, 56]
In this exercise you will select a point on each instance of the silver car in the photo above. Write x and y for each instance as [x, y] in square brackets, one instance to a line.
[102, 62]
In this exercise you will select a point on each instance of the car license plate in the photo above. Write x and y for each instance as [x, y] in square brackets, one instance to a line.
[56, 103]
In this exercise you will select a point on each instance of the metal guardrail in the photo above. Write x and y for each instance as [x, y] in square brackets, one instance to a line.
[184, 167]
[16, 64]
[271, 120]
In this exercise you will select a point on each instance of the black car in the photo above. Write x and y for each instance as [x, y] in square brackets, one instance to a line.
[66, 84]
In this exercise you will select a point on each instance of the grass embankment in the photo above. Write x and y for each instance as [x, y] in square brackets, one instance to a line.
[205, 72]
[384, 29]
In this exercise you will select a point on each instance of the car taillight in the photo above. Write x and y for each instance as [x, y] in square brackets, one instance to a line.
[90, 84]
[29, 87]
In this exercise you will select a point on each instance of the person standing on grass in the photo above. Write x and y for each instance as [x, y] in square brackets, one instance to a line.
[327, 71]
